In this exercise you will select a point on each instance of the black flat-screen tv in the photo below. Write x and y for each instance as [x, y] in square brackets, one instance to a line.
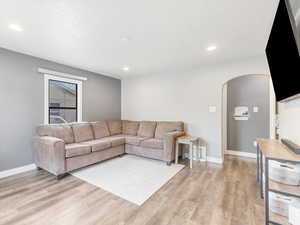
[283, 50]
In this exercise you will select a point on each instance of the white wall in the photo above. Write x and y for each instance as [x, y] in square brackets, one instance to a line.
[186, 96]
[289, 120]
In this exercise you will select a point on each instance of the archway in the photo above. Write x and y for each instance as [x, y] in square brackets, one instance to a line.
[245, 85]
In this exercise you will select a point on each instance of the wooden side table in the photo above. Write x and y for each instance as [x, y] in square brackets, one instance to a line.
[188, 140]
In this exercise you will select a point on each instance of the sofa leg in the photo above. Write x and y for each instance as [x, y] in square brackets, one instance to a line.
[168, 163]
[59, 177]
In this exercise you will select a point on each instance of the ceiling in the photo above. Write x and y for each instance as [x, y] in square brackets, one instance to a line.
[153, 36]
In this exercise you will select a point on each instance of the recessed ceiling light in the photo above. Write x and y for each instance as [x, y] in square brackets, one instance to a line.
[125, 68]
[211, 48]
[15, 27]
[125, 38]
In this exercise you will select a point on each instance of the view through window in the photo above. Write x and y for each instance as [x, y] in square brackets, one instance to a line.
[62, 102]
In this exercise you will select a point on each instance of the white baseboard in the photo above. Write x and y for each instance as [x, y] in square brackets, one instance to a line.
[214, 160]
[195, 158]
[22, 169]
[239, 153]
[207, 159]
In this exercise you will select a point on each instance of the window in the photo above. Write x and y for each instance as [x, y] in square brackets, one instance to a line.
[62, 100]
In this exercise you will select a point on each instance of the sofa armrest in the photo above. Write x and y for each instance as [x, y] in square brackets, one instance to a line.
[169, 144]
[49, 154]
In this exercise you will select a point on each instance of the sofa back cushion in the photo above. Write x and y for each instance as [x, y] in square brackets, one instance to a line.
[166, 127]
[82, 132]
[147, 129]
[100, 129]
[114, 126]
[60, 131]
[130, 127]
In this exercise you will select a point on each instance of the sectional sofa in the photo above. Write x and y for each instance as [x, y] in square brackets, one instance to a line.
[60, 149]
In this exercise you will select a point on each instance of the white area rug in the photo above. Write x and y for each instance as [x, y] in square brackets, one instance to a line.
[129, 177]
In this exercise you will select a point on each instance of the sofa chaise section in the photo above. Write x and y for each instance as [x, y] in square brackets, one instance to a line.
[155, 140]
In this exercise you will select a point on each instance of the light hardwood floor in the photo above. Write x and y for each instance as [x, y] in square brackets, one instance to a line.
[208, 194]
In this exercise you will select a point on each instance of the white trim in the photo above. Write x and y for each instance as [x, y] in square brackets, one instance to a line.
[22, 169]
[297, 18]
[242, 154]
[205, 158]
[60, 74]
[214, 160]
[224, 119]
[272, 110]
[46, 95]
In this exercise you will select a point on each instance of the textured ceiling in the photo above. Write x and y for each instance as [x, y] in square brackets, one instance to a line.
[148, 36]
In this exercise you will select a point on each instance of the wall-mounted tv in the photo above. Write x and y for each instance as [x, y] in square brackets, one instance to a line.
[293, 7]
[283, 50]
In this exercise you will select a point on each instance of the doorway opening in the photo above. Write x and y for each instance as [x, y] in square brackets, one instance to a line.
[248, 113]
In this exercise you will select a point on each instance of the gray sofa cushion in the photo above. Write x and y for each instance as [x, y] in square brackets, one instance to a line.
[76, 149]
[153, 143]
[147, 129]
[134, 140]
[82, 132]
[98, 145]
[63, 132]
[130, 127]
[145, 152]
[100, 129]
[114, 126]
[166, 127]
[115, 140]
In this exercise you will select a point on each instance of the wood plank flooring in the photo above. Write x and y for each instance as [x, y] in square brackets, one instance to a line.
[208, 194]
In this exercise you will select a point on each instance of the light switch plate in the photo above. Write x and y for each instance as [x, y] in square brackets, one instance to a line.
[255, 143]
[255, 109]
[212, 109]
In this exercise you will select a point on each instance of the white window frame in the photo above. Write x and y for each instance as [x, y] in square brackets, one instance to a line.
[48, 77]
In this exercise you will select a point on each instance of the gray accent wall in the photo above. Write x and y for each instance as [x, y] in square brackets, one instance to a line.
[250, 91]
[22, 102]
